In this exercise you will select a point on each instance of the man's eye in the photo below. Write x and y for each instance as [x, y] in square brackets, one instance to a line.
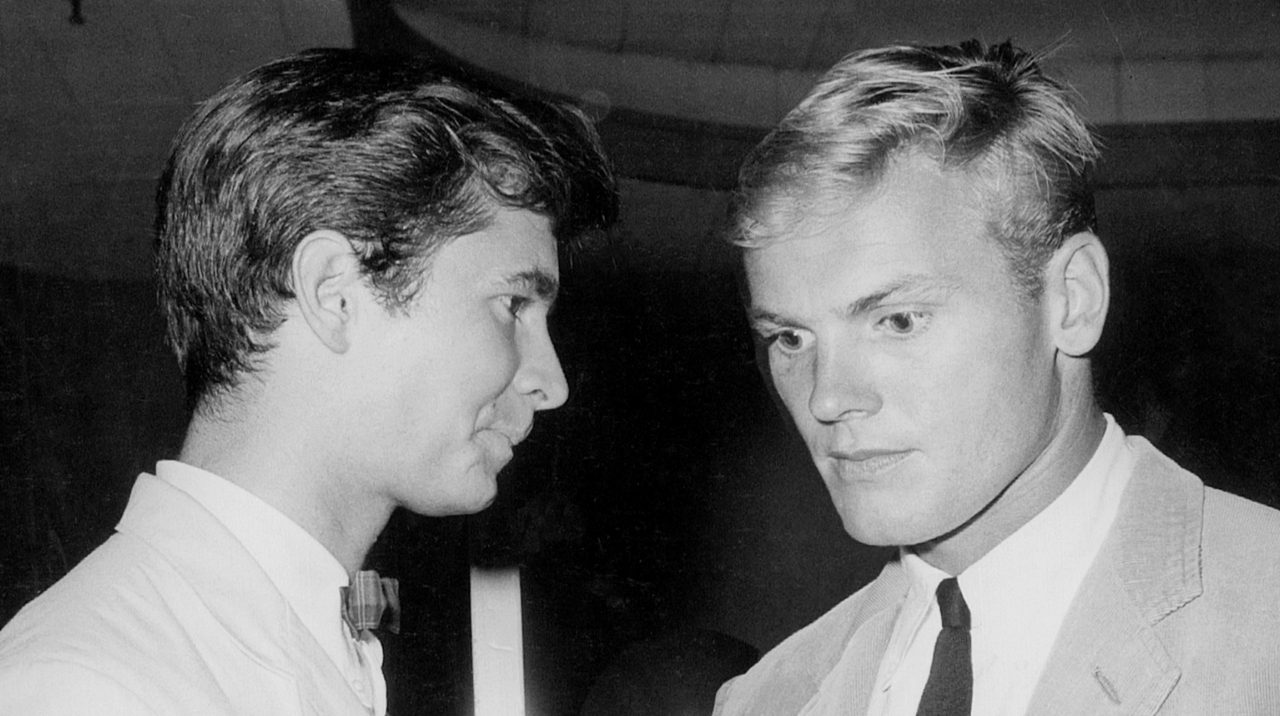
[787, 340]
[903, 322]
[516, 304]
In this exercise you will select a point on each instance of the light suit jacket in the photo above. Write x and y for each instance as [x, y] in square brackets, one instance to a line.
[169, 616]
[1178, 616]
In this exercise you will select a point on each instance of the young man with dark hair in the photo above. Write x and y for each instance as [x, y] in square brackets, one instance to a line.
[356, 257]
[926, 284]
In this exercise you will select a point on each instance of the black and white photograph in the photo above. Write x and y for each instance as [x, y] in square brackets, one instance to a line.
[623, 358]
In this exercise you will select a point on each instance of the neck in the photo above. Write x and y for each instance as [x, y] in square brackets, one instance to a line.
[286, 468]
[1072, 445]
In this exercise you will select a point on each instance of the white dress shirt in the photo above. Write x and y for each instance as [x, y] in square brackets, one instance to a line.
[308, 576]
[1018, 595]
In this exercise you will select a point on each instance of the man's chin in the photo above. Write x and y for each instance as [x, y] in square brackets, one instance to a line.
[483, 494]
[486, 503]
[870, 539]
[481, 500]
[874, 531]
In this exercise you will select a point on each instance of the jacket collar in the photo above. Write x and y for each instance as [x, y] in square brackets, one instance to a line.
[239, 595]
[846, 686]
[1108, 657]
[1161, 520]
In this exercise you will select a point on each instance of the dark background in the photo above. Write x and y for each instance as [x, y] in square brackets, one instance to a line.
[668, 499]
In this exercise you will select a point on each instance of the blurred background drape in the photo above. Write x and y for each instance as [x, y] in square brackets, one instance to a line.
[668, 523]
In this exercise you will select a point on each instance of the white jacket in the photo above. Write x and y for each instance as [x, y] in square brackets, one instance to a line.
[169, 616]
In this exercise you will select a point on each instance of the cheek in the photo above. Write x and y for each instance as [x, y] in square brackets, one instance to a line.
[995, 400]
[793, 384]
[488, 356]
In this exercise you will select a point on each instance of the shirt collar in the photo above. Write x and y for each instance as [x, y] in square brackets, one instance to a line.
[1043, 564]
[1045, 560]
[307, 575]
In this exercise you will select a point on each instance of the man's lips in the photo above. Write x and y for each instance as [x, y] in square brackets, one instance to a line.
[867, 463]
[513, 436]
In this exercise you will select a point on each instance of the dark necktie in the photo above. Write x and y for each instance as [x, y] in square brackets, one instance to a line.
[368, 599]
[949, 690]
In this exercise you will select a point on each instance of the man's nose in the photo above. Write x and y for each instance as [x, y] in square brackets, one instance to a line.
[842, 385]
[541, 377]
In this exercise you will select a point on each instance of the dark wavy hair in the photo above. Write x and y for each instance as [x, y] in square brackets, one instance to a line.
[398, 155]
[986, 110]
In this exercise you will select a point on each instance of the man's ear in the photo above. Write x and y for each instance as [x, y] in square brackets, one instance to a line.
[1079, 291]
[326, 282]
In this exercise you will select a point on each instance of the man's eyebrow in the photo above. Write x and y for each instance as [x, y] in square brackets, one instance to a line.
[913, 286]
[757, 315]
[536, 281]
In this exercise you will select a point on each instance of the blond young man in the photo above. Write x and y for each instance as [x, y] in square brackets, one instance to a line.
[926, 284]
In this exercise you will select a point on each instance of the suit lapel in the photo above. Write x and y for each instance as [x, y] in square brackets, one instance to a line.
[237, 593]
[847, 687]
[1108, 658]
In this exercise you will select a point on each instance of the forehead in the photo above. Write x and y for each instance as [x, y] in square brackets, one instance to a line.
[516, 241]
[919, 220]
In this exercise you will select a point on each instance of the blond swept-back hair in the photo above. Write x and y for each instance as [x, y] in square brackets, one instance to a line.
[985, 110]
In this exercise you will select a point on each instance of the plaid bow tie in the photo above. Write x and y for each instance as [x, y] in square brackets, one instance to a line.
[368, 599]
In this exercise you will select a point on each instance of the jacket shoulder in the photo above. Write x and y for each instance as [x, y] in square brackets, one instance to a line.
[1240, 553]
[1227, 640]
[114, 608]
[126, 625]
[789, 675]
[1230, 514]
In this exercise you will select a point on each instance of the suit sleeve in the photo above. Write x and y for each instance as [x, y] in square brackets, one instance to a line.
[52, 688]
[722, 698]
